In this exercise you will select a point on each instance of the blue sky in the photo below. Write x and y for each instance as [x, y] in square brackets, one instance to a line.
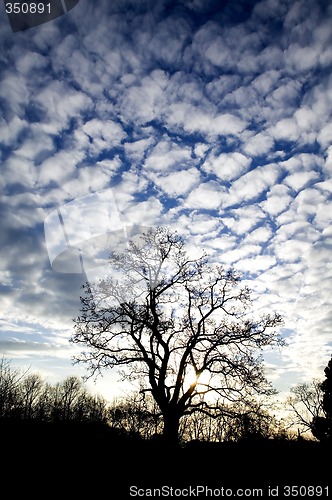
[211, 117]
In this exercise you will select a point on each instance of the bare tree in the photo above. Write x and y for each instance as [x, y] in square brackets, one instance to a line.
[179, 323]
[135, 414]
[71, 401]
[305, 405]
[31, 389]
[10, 380]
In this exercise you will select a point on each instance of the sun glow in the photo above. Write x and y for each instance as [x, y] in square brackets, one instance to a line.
[191, 378]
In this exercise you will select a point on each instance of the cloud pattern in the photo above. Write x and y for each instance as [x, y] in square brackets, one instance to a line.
[213, 120]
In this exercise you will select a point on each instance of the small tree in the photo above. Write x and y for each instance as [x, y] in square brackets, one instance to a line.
[31, 389]
[10, 380]
[321, 426]
[305, 404]
[180, 324]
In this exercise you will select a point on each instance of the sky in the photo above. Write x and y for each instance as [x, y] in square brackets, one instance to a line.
[210, 117]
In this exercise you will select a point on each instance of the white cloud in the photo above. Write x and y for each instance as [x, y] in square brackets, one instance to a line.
[145, 213]
[255, 265]
[277, 201]
[286, 129]
[327, 166]
[61, 103]
[19, 170]
[259, 144]
[325, 135]
[260, 235]
[14, 89]
[307, 119]
[37, 146]
[169, 39]
[136, 150]
[302, 58]
[226, 166]
[103, 134]
[31, 61]
[222, 244]
[177, 183]
[252, 185]
[60, 167]
[9, 130]
[202, 224]
[207, 196]
[298, 230]
[145, 101]
[237, 255]
[299, 180]
[241, 220]
[323, 217]
[285, 95]
[207, 122]
[265, 82]
[167, 155]
[309, 202]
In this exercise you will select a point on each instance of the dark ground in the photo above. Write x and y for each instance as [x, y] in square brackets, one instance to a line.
[73, 461]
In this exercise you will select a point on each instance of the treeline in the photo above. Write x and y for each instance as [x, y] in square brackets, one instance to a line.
[140, 416]
[26, 396]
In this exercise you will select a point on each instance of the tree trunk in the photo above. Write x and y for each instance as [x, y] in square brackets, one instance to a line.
[171, 428]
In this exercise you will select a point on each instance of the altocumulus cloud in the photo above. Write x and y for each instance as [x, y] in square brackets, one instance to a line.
[211, 117]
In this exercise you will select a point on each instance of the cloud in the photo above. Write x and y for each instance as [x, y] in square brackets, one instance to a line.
[144, 100]
[299, 180]
[60, 103]
[325, 135]
[136, 151]
[103, 135]
[169, 40]
[195, 119]
[167, 155]
[260, 235]
[266, 82]
[277, 200]
[207, 196]
[252, 185]
[10, 130]
[14, 90]
[286, 130]
[259, 144]
[60, 167]
[226, 166]
[243, 220]
[177, 183]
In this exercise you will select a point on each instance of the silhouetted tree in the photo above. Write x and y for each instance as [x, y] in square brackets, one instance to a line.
[25, 396]
[136, 414]
[250, 422]
[71, 401]
[321, 426]
[10, 380]
[305, 404]
[170, 319]
[30, 389]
